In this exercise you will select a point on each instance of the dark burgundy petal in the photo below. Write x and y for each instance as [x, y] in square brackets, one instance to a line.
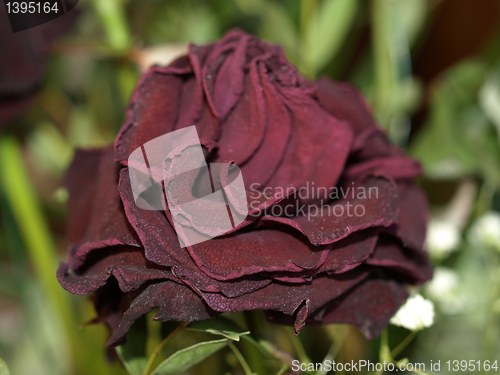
[242, 254]
[369, 306]
[126, 264]
[264, 162]
[390, 254]
[350, 252]
[110, 304]
[373, 143]
[345, 102]
[175, 301]
[390, 167]
[12, 107]
[286, 298]
[162, 247]
[412, 223]
[343, 256]
[240, 139]
[153, 110]
[334, 222]
[96, 218]
[332, 141]
[222, 75]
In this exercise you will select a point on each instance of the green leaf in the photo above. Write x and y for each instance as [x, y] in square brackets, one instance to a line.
[133, 353]
[325, 32]
[184, 359]
[457, 138]
[412, 16]
[278, 27]
[489, 98]
[114, 21]
[219, 326]
[4, 370]
[133, 365]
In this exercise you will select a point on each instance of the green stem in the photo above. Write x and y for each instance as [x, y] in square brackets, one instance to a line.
[158, 349]
[403, 344]
[21, 198]
[308, 8]
[299, 348]
[492, 326]
[241, 359]
[338, 341]
[282, 370]
[382, 61]
[384, 352]
[113, 19]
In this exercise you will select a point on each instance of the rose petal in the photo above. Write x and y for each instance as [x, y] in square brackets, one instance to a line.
[412, 222]
[369, 306]
[240, 139]
[345, 102]
[127, 265]
[264, 162]
[286, 298]
[334, 222]
[96, 218]
[350, 252]
[162, 247]
[176, 302]
[390, 254]
[152, 112]
[276, 250]
[389, 167]
[303, 164]
[222, 75]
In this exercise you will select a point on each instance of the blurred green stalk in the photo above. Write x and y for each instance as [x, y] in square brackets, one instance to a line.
[21, 198]
[113, 19]
[383, 64]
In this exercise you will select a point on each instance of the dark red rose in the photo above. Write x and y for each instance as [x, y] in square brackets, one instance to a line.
[23, 58]
[293, 140]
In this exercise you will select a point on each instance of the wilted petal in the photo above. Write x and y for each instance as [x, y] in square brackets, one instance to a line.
[96, 218]
[286, 298]
[176, 302]
[345, 102]
[369, 306]
[413, 266]
[312, 126]
[126, 264]
[333, 222]
[242, 254]
[161, 246]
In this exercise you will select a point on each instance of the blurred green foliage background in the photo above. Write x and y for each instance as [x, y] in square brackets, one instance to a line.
[429, 68]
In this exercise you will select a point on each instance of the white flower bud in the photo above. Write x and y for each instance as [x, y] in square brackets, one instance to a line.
[444, 290]
[442, 238]
[486, 231]
[416, 313]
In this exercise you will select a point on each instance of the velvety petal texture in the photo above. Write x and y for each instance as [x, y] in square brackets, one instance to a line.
[335, 225]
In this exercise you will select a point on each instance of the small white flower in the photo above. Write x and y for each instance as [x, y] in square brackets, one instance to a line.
[443, 238]
[444, 282]
[416, 313]
[444, 290]
[486, 230]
